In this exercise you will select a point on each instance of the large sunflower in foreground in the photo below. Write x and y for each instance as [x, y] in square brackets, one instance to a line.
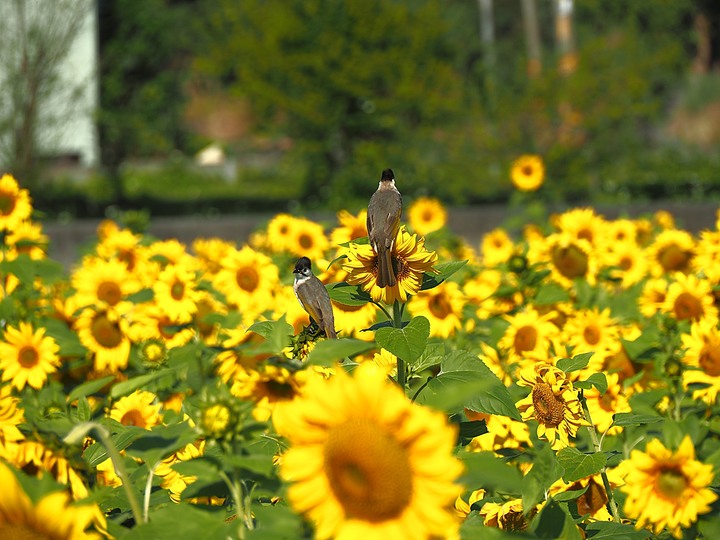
[527, 172]
[553, 402]
[412, 261]
[666, 488]
[28, 356]
[53, 517]
[15, 204]
[366, 463]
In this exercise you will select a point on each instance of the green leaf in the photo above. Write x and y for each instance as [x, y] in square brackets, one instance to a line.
[570, 495]
[578, 465]
[494, 397]
[84, 413]
[89, 388]
[182, 522]
[598, 380]
[348, 295]
[484, 469]
[328, 351]
[444, 271]
[201, 467]
[431, 356]
[632, 419]
[609, 530]
[554, 521]
[276, 333]
[470, 430]
[549, 294]
[96, 453]
[647, 341]
[161, 441]
[274, 522]
[66, 339]
[576, 363]
[256, 463]
[140, 381]
[450, 392]
[407, 343]
[545, 471]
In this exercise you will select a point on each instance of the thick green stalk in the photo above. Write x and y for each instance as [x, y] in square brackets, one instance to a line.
[401, 366]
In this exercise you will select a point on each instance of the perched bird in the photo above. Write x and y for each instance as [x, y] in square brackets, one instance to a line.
[383, 223]
[313, 297]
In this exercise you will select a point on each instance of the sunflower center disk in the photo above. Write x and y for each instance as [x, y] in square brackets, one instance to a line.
[133, 418]
[592, 335]
[673, 258]
[710, 360]
[687, 306]
[570, 261]
[247, 279]
[548, 408]
[11, 531]
[109, 292]
[672, 483]
[368, 470]
[28, 357]
[7, 204]
[177, 291]
[439, 307]
[525, 339]
[105, 332]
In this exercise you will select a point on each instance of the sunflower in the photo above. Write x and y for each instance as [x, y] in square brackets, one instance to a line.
[462, 508]
[365, 462]
[11, 416]
[209, 252]
[170, 252]
[602, 407]
[502, 433]
[248, 279]
[553, 402]
[308, 239]
[672, 251]
[528, 172]
[529, 332]
[176, 292]
[412, 260]
[508, 516]
[666, 488]
[104, 333]
[352, 320]
[53, 516]
[15, 203]
[427, 215]
[581, 224]
[28, 356]
[496, 247]
[652, 297]
[138, 409]
[27, 237]
[480, 291]
[123, 245]
[267, 387]
[442, 306]
[387, 361]
[621, 231]
[702, 355]
[627, 263]
[569, 259]
[35, 459]
[279, 231]
[102, 283]
[350, 227]
[591, 330]
[230, 361]
[151, 321]
[690, 298]
[594, 501]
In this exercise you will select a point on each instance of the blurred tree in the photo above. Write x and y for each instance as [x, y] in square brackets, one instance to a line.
[341, 78]
[36, 37]
[144, 56]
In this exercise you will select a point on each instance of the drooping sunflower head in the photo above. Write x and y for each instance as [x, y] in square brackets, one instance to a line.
[354, 467]
[552, 402]
[528, 172]
[410, 258]
[427, 215]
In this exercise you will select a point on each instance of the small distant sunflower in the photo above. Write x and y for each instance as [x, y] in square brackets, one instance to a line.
[35, 459]
[503, 433]
[666, 488]
[529, 332]
[508, 516]
[352, 320]
[702, 351]
[176, 292]
[248, 279]
[279, 232]
[672, 251]
[139, 409]
[267, 387]
[652, 296]
[592, 330]
[365, 462]
[629, 261]
[621, 231]
[54, 516]
[570, 259]
[28, 356]
[102, 283]
[602, 407]
[27, 237]
[351, 227]
[690, 298]
[427, 215]
[308, 239]
[553, 402]
[151, 321]
[412, 259]
[480, 290]
[209, 252]
[581, 224]
[15, 203]
[528, 172]
[496, 248]
[104, 333]
[442, 306]
[123, 245]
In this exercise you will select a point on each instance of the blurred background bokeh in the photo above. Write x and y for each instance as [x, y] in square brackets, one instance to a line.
[208, 107]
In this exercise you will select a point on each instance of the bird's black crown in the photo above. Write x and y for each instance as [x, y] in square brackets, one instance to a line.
[301, 264]
[387, 174]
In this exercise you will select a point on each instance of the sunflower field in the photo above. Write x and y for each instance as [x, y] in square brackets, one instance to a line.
[557, 383]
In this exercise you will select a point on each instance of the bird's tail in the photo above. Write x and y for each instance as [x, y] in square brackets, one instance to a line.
[330, 331]
[386, 273]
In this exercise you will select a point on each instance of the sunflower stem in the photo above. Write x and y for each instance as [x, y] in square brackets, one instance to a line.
[148, 490]
[401, 366]
[598, 448]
